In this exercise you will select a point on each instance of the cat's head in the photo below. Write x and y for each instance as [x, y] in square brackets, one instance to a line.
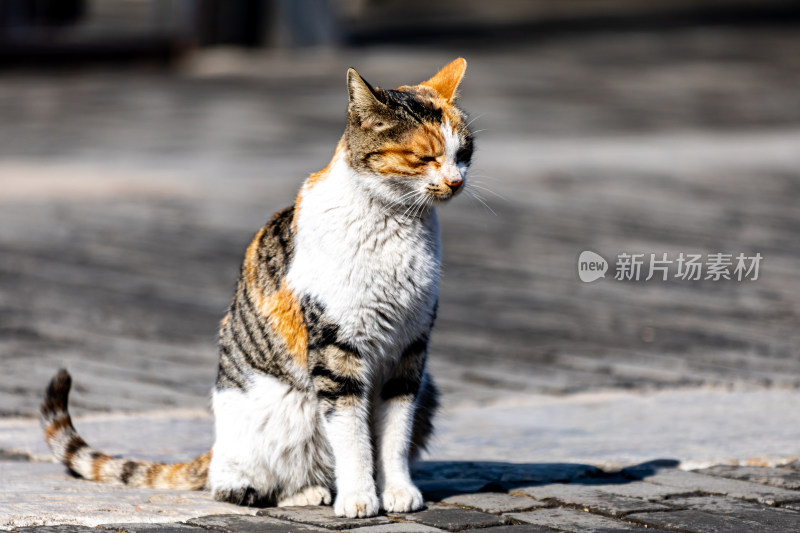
[411, 144]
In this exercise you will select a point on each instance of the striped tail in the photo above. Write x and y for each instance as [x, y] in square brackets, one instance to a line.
[69, 448]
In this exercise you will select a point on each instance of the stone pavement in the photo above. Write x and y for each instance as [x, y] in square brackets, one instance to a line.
[127, 199]
[497, 497]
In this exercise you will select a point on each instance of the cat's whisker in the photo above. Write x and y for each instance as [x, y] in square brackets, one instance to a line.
[481, 200]
[487, 190]
[474, 119]
[400, 201]
[412, 206]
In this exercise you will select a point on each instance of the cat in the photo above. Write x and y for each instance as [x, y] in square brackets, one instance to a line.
[321, 385]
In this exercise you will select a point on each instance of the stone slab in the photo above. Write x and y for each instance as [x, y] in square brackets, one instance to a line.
[397, 527]
[573, 521]
[321, 516]
[232, 523]
[517, 528]
[453, 519]
[777, 477]
[588, 498]
[63, 528]
[715, 485]
[699, 522]
[34, 494]
[769, 517]
[152, 528]
[640, 490]
[493, 502]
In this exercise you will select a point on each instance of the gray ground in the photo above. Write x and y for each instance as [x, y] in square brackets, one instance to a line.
[128, 198]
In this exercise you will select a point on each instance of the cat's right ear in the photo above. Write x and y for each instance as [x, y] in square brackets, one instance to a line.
[364, 102]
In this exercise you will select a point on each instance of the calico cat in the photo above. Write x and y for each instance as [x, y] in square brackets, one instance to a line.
[321, 384]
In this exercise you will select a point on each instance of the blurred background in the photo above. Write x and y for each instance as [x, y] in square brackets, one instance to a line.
[142, 144]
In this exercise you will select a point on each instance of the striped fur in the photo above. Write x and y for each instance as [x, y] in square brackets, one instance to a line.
[322, 385]
[81, 459]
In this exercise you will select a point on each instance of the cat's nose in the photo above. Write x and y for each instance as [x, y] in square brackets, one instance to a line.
[454, 183]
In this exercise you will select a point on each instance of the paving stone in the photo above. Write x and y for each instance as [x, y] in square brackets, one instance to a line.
[573, 521]
[66, 528]
[453, 519]
[776, 519]
[152, 528]
[321, 516]
[716, 485]
[641, 490]
[777, 477]
[398, 527]
[494, 502]
[587, 497]
[517, 528]
[700, 522]
[243, 523]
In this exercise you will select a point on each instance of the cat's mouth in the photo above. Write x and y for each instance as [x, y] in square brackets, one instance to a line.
[444, 192]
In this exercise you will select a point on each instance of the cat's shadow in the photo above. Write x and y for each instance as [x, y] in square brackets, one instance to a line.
[439, 479]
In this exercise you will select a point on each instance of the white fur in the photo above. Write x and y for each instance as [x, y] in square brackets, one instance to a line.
[260, 436]
[358, 259]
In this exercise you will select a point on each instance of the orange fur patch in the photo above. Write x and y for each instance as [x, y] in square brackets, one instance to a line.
[405, 158]
[55, 427]
[286, 318]
[97, 466]
[446, 81]
[251, 259]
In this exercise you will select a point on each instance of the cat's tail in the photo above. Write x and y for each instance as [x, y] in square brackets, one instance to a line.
[69, 448]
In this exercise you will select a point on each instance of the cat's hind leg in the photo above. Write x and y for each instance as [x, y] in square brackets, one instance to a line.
[314, 495]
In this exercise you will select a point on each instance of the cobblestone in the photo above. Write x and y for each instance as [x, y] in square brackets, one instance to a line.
[321, 516]
[517, 528]
[774, 518]
[594, 502]
[66, 528]
[245, 524]
[152, 528]
[745, 490]
[591, 499]
[777, 477]
[397, 527]
[496, 503]
[573, 521]
[699, 522]
[453, 519]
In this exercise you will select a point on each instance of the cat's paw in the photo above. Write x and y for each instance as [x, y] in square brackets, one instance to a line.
[358, 504]
[308, 496]
[404, 498]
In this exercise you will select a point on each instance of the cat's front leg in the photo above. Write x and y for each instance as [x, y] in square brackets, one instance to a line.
[394, 430]
[339, 376]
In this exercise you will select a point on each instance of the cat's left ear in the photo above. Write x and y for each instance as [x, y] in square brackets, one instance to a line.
[371, 112]
[446, 81]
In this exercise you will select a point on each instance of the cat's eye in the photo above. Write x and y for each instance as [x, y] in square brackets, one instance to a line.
[428, 158]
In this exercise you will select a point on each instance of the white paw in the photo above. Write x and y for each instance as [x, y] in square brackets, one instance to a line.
[359, 504]
[402, 499]
[308, 496]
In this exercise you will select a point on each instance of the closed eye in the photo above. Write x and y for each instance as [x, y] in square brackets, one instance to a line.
[428, 159]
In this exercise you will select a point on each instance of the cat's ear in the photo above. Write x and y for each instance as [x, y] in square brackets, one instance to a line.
[446, 81]
[364, 102]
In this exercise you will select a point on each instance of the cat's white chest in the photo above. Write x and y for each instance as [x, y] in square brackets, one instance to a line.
[376, 276]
